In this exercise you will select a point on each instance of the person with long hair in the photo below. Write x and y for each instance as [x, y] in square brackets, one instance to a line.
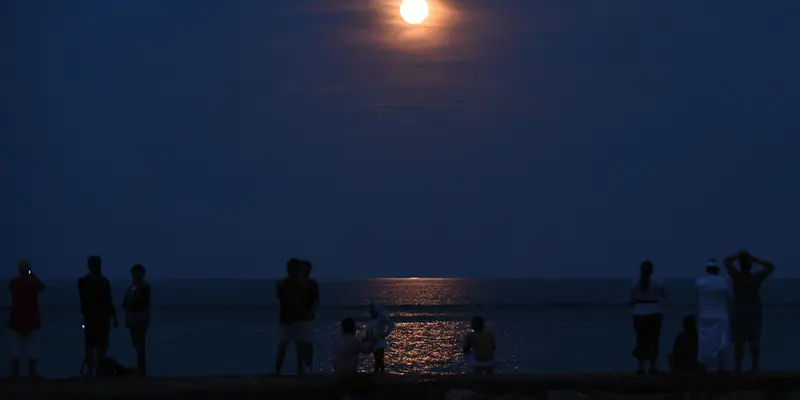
[646, 296]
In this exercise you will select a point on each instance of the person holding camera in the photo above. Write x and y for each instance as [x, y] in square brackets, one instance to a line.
[24, 320]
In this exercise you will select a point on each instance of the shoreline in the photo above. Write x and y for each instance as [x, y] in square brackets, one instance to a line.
[324, 386]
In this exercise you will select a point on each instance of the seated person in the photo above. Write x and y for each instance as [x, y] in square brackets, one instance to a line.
[346, 356]
[479, 347]
[684, 353]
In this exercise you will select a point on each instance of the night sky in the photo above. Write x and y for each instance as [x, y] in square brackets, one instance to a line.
[507, 138]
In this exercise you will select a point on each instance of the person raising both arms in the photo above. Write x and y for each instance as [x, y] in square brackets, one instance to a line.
[24, 319]
[747, 307]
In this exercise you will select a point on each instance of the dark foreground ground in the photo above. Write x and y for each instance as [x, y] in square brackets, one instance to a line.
[460, 387]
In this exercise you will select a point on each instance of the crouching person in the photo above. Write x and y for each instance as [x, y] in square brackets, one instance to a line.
[346, 357]
[684, 352]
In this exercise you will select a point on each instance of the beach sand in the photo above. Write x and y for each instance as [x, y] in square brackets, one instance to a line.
[501, 386]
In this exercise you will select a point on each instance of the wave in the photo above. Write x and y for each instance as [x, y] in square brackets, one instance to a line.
[421, 308]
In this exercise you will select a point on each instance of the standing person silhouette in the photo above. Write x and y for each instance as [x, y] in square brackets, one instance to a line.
[646, 295]
[379, 328]
[311, 291]
[747, 308]
[99, 314]
[137, 315]
[24, 319]
[713, 323]
[293, 309]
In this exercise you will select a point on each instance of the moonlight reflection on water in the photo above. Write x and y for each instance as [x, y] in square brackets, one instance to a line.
[417, 344]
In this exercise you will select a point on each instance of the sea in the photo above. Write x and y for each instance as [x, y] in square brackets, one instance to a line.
[228, 326]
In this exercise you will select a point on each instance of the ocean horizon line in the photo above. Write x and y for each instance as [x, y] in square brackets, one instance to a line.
[409, 278]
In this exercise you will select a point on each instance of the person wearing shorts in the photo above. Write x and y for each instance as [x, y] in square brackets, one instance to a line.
[747, 307]
[293, 309]
[24, 319]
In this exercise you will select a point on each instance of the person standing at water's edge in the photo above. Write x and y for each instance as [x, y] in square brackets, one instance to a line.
[99, 314]
[747, 308]
[312, 298]
[713, 298]
[24, 319]
[292, 312]
[378, 329]
[646, 296]
[137, 315]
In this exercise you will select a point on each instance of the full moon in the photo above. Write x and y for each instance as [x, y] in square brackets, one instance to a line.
[414, 11]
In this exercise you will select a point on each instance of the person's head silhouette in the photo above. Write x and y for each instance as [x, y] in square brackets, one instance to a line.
[94, 264]
[349, 326]
[478, 324]
[137, 273]
[24, 267]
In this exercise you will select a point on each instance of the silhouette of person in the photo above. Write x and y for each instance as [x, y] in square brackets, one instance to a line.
[747, 308]
[137, 315]
[293, 310]
[24, 319]
[378, 329]
[684, 351]
[646, 296]
[346, 354]
[99, 314]
[312, 298]
[713, 323]
[479, 347]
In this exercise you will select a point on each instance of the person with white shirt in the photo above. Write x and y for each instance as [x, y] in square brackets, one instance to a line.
[713, 323]
[378, 329]
[646, 296]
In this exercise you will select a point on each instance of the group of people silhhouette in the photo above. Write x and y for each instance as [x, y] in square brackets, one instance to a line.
[700, 346]
[722, 314]
[98, 314]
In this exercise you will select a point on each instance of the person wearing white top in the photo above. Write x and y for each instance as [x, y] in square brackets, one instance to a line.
[379, 327]
[646, 296]
[713, 323]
